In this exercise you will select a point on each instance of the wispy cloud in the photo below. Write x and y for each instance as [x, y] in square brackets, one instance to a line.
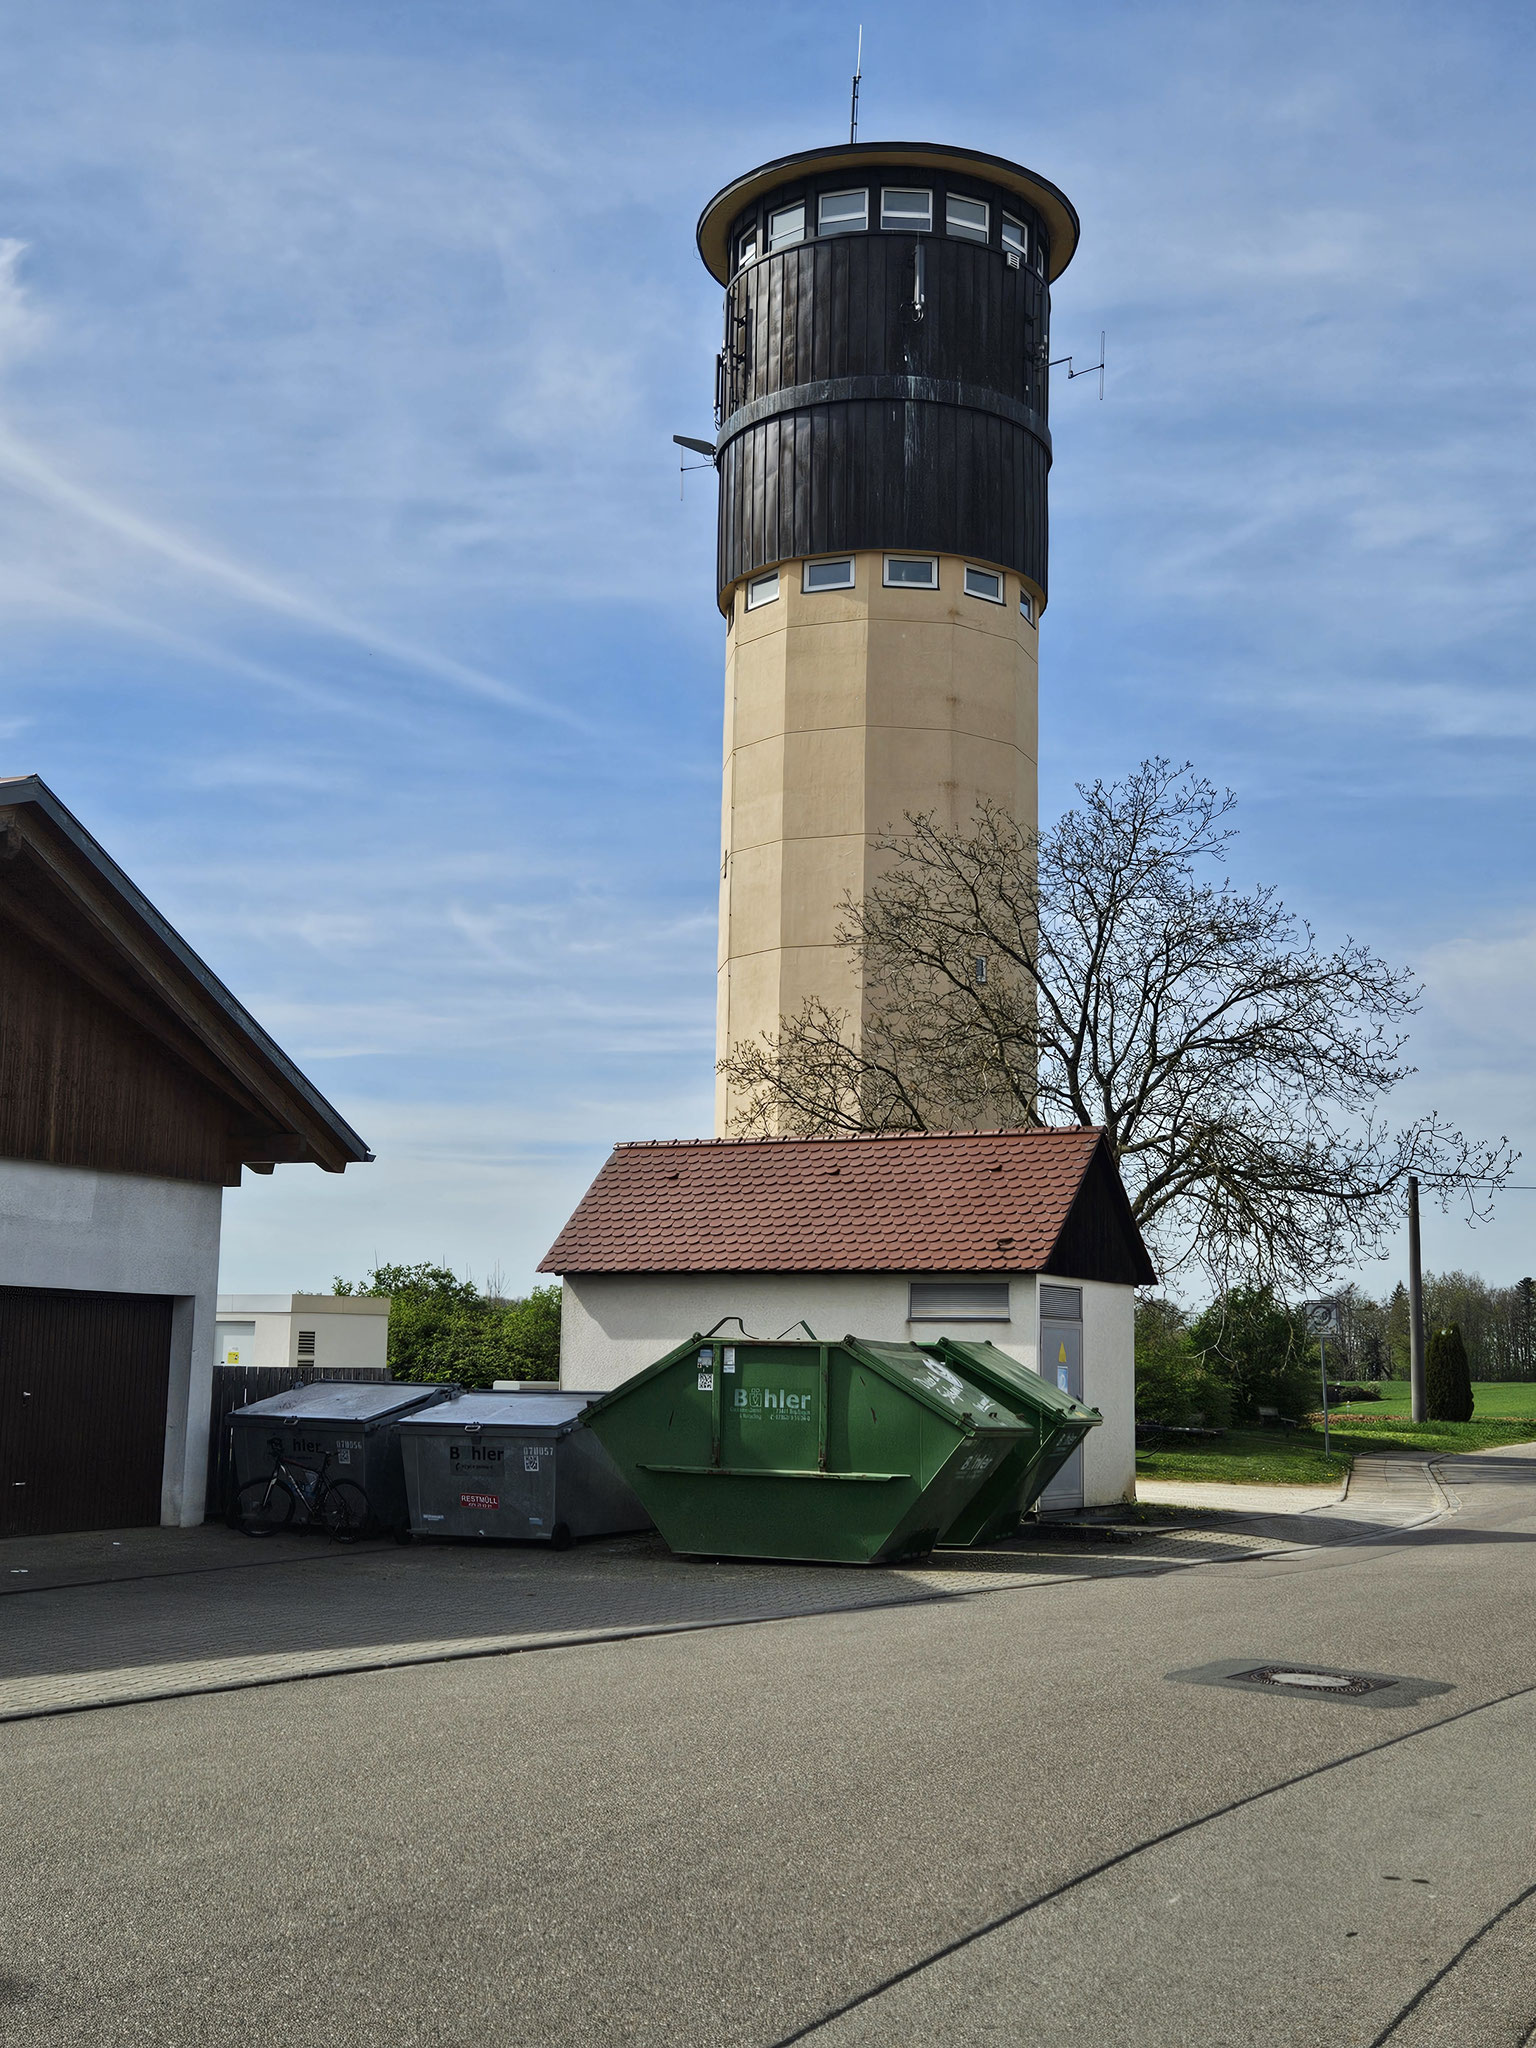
[25, 470]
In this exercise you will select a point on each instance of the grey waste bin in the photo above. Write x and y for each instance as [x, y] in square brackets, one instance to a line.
[514, 1464]
[352, 1424]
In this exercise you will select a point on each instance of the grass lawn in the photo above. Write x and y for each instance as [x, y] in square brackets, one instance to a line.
[1489, 1397]
[1294, 1457]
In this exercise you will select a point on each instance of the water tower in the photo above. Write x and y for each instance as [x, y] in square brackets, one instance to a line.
[883, 454]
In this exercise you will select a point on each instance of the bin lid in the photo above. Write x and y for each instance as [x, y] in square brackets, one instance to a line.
[934, 1381]
[362, 1401]
[541, 1414]
[1011, 1382]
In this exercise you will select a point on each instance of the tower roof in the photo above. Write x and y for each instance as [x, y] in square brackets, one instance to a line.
[1058, 211]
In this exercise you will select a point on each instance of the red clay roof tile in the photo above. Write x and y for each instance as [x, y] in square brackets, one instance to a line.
[953, 1202]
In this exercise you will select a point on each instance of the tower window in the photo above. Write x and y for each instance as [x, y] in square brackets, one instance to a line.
[836, 574]
[746, 247]
[762, 590]
[983, 583]
[1026, 606]
[912, 572]
[786, 226]
[900, 208]
[1015, 236]
[842, 213]
[969, 217]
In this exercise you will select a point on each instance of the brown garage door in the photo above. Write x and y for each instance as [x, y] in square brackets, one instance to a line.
[83, 1382]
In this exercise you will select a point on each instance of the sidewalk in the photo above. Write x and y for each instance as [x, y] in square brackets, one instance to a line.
[1387, 1490]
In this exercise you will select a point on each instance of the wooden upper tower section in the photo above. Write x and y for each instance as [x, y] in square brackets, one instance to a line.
[882, 382]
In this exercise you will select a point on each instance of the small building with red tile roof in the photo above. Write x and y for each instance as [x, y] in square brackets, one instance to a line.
[1024, 1237]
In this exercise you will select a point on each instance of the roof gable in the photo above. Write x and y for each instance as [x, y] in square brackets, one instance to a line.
[937, 1202]
[73, 907]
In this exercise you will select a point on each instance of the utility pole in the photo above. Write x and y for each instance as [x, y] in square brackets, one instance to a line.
[1415, 1304]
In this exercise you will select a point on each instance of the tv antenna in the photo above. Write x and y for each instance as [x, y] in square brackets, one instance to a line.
[858, 73]
[1088, 368]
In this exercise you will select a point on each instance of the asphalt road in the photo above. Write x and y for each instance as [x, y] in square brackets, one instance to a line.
[995, 1820]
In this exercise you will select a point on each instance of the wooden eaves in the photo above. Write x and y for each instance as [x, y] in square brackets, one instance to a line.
[66, 895]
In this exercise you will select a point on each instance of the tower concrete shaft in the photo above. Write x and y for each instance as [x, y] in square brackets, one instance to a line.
[883, 453]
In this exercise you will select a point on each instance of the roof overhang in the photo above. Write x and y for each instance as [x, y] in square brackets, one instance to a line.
[1047, 199]
[66, 894]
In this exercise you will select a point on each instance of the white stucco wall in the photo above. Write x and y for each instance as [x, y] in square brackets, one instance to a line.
[615, 1324]
[123, 1233]
[350, 1330]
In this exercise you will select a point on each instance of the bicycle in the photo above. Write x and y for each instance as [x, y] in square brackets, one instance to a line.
[264, 1506]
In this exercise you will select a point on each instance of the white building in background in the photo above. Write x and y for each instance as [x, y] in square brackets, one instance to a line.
[283, 1332]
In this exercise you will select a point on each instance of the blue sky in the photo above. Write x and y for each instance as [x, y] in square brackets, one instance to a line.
[346, 594]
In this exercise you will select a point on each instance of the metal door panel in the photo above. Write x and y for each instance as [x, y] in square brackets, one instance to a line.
[1061, 1362]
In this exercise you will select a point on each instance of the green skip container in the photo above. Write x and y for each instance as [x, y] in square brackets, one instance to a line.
[845, 1453]
[1054, 1424]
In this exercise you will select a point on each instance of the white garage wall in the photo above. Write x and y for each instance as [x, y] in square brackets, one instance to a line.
[123, 1233]
[615, 1324]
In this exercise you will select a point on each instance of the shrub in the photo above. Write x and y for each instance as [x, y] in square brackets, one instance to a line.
[1259, 1349]
[443, 1329]
[1172, 1382]
[1447, 1377]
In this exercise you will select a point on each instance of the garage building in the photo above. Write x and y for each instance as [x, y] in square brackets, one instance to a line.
[133, 1090]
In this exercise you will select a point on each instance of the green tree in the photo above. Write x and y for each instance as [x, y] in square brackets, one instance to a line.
[1173, 1383]
[443, 1329]
[1258, 1347]
[1447, 1377]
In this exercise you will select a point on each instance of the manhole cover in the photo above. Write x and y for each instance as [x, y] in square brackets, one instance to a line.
[1339, 1683]
[1301, 1681]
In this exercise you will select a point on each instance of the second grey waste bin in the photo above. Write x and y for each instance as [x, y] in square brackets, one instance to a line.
[349, 1422]
[514, 1465]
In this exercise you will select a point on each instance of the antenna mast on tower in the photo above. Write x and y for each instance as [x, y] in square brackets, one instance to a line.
[858, 73]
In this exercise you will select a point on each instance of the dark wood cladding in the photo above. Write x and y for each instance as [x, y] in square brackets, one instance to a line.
[861, 412]
[83, 1386]
[99, 997]
[930, 478]
[81, 1085]
[1100, 1239]
[841, 306]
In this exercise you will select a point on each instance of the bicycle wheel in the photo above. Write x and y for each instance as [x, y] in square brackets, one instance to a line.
[344, 1510]
[263, 1506]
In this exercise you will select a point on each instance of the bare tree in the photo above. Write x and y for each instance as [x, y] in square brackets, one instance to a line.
[1100, 974]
